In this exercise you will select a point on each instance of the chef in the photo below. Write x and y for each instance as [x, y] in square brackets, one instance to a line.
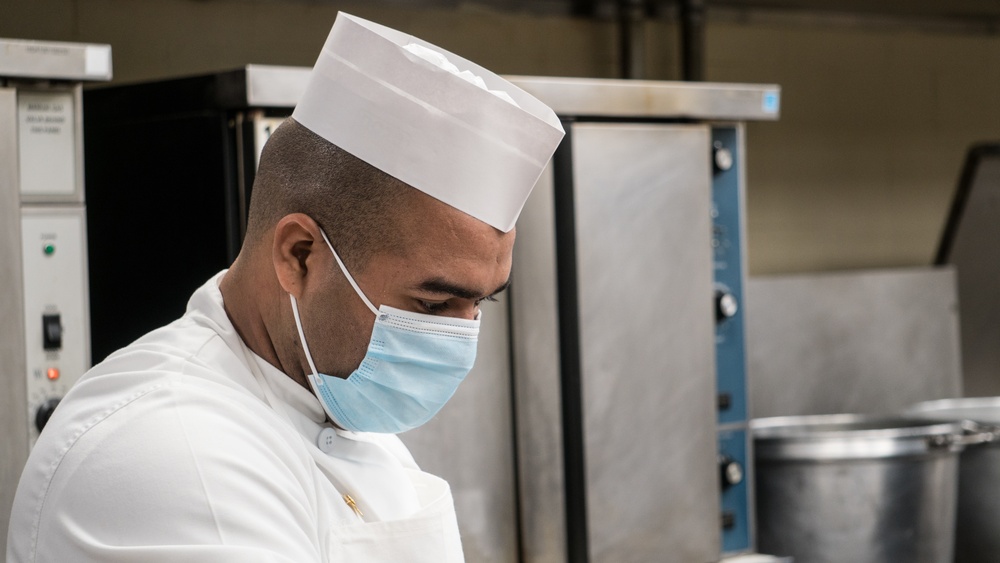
[261, 425]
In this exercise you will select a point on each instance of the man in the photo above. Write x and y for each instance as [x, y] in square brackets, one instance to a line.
[260, 426]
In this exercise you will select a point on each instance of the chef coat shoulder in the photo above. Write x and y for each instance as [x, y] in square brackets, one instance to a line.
[162, 431]
[186, 446]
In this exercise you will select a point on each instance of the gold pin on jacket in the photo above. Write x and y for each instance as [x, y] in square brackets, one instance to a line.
[354, 505]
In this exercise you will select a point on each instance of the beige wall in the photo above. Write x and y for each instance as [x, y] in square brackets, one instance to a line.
[858, 172]
[874, 126]
[153, 38]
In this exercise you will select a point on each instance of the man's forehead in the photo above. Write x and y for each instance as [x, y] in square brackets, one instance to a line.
[425, 219]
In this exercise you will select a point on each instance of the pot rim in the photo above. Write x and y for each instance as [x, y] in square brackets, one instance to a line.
[984, 410]
[853, 437]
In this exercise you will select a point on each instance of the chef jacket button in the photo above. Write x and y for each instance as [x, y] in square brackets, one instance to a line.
[326, 439]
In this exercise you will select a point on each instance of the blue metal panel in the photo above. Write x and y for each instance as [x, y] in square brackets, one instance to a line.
[727, 250]
[728, 262]
[735, 498]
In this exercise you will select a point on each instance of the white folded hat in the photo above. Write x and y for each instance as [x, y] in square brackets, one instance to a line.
[431, 119]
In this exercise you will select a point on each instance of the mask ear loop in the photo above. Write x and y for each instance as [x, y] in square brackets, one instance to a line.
[302, 336]
[347, 274]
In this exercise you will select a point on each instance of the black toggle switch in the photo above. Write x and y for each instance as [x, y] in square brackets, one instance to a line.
[728, 519]
[725, 401]
[51, 332]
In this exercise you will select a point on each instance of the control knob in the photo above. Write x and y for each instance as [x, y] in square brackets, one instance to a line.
[722, 158]
[725, 305]
[44, 413]
[731, 472]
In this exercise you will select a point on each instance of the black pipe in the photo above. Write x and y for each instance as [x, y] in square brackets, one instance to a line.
[693, 40]
[632, 40]
[976, 154]
[583, 8]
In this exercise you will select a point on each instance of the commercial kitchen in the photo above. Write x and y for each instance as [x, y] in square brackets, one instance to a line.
[751, 314]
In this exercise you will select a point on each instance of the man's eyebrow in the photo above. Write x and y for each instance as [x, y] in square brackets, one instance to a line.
[438, 285]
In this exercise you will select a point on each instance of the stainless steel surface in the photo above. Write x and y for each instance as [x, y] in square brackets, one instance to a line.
[873, 510]
[975, 252]
[645, 302]
[639, 98]
[976, 537]
[55, 60]
[642, 215]
[13, 406]
[282, 86]
[535, 336]
[470, 444]
[979, 409]
[275, 86]
[861, 342]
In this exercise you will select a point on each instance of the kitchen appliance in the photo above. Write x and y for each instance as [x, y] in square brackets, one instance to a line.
[971, 242]
[44, 325]
[861, 341]
[627, 325]
[595, 425]
[976, 538]
[170, 167]
[834, 488]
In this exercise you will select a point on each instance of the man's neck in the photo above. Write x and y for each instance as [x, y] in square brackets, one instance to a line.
[245, 299]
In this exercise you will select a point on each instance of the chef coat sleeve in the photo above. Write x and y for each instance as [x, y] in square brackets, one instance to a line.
[183, 472]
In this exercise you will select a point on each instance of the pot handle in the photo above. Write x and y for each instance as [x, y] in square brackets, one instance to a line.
[977, 433]
[973, 433]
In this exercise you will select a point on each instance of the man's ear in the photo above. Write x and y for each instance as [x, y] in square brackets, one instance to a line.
[292, 251]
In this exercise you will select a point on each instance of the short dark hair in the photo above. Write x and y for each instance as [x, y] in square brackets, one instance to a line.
[354, 202]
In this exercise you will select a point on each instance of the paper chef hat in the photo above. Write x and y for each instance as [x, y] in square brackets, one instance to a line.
[416, 112]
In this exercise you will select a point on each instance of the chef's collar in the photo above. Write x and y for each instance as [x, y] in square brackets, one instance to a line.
[298, 402]
[301, 406]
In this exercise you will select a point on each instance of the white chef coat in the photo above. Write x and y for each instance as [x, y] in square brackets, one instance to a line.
[186, 446]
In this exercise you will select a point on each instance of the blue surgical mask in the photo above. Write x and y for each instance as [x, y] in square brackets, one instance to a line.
[413, 365]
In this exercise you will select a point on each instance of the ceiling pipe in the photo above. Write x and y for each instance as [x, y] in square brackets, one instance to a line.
[632, 38]
[583, 8]
[692, 40]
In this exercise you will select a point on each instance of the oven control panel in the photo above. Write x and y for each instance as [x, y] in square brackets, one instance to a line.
[730, 355]
[57, 344]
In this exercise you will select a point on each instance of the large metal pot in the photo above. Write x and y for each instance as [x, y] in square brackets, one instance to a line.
[849, 488]
[977, 535]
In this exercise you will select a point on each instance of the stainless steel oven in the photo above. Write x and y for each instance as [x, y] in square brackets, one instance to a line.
[44, 309]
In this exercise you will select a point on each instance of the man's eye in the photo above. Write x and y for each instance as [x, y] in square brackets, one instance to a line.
[432, 307]
[487, 298]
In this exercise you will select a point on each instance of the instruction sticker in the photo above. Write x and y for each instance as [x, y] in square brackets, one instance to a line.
[47, 143]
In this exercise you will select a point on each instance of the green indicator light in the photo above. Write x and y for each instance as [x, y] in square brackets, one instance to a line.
[49, 249]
